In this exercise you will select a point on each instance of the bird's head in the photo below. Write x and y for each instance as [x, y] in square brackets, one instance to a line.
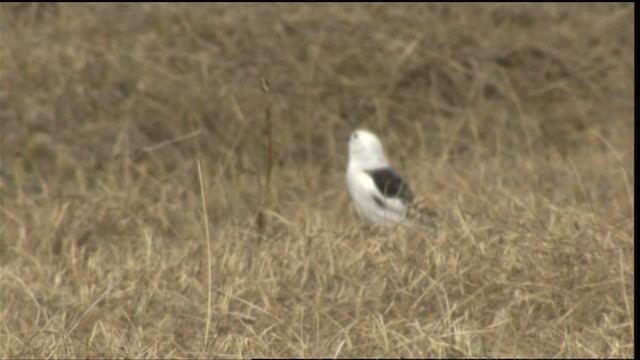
[365, 150]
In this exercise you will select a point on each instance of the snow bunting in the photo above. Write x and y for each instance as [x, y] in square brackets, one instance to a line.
[379, 194]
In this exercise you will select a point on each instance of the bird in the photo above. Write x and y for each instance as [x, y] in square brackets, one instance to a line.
[378, 192]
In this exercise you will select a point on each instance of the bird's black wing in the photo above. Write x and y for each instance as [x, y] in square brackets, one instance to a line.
[391, 184]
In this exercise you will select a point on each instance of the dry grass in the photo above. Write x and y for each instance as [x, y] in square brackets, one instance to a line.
[514, 121]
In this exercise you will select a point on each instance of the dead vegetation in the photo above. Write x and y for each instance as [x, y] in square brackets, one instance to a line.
[514, 121]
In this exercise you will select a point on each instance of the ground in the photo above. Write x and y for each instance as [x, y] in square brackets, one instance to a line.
[120, 124]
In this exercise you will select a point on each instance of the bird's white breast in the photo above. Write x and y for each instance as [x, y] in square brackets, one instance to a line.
[362, 189]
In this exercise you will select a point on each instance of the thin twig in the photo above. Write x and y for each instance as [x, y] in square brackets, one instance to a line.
[206, 229]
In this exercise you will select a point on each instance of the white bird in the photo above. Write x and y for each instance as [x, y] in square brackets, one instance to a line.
[379, 194]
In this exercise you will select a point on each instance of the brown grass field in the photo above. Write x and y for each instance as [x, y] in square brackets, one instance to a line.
[514, 122]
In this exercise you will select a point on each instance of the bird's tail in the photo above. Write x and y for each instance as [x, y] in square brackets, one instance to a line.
[422, 215]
